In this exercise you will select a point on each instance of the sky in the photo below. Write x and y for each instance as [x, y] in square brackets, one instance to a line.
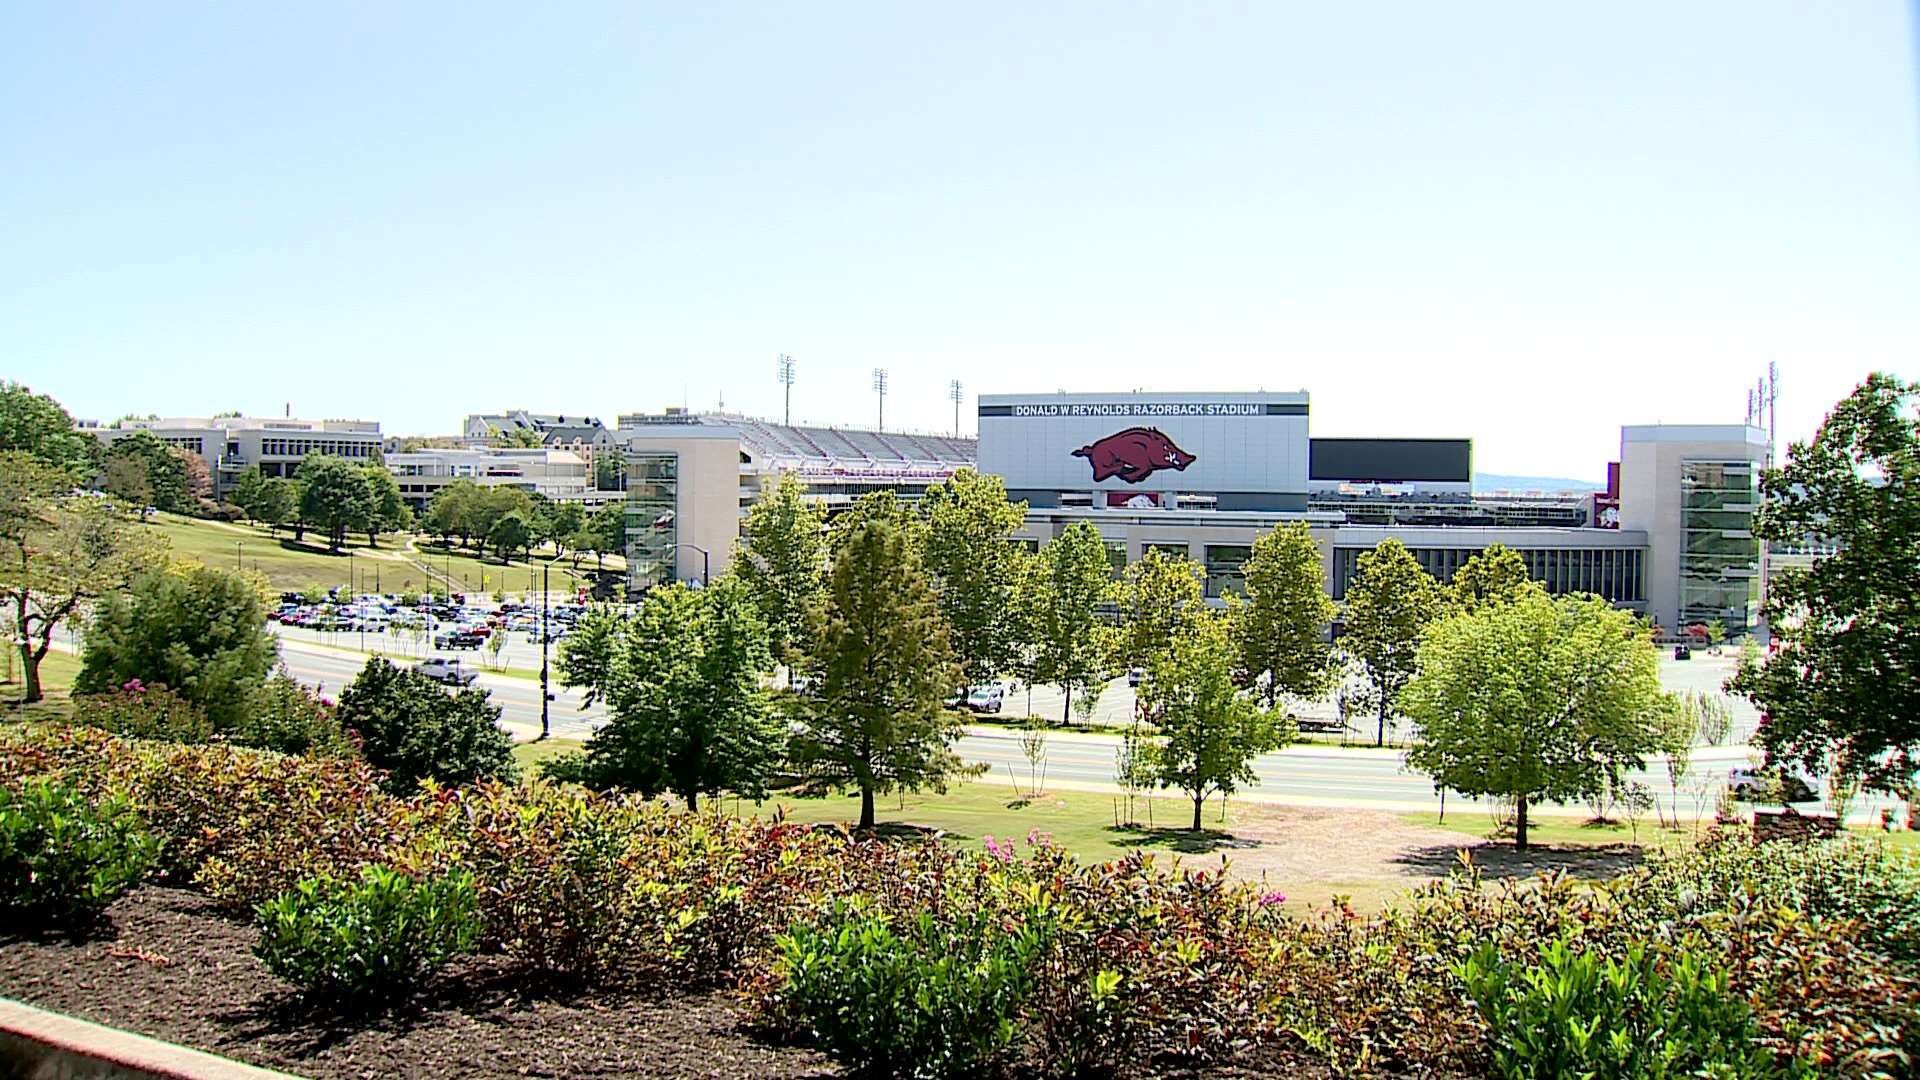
[1518, 222]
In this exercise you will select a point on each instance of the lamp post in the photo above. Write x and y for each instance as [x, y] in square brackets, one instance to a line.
[236, 556]
[706, 562]
[546, 635]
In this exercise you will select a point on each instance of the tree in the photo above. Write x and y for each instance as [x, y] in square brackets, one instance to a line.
[165, 472]
[39, 427]
[334, 497]
[450, 513]
[1844, 678]
[1283, 631]
[126, 480]
[1158, 596]
[198, 631]
[417, 730]
[57, 553]
[248, 489]
[975, 568]
[276, 503]
[782, 556]
[565, 523]
[885, 668]
[386, 510]
[605, 532]
[609, 470]
[1060, 604]
[521, 438]
[687, 712]
[196, 483]
[1537, 698]
[509, 534]
[1493, 576]
[1389, 604]
[1211, 734]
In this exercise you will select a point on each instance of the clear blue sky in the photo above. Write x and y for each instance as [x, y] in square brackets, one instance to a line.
[1523, 222]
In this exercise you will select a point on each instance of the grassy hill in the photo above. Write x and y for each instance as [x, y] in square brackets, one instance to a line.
[399, 564]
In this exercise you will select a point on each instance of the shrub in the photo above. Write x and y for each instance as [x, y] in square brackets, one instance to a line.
[926, 996]
[288, 717]
[369, 943]
[1642, 1016]
[63, 856]
[138, 711]
[417, 730]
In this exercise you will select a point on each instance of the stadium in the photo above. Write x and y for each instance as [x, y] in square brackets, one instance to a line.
[1204, 474]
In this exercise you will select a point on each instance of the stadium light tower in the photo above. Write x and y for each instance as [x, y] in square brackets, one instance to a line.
[786, 380]
[880, 389]
[953, 391]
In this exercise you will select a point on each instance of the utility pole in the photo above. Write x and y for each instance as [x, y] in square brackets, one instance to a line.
[880, 388]
[786, 380]
[1763, 412]
[953, 391]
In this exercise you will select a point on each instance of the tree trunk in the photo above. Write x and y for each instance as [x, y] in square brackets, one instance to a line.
[1197, 800]
[1520, 826]
[1066, 708]
[693, 802]
[29, 674]
[1380, 738]
[866, 807]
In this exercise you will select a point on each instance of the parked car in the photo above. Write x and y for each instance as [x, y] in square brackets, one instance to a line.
[1136, 676]
[1749, 784]
[446, 671]
[985, 699]
[458, 639]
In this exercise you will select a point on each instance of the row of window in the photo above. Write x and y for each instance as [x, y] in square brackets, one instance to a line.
[1614, 574]
[303, 447]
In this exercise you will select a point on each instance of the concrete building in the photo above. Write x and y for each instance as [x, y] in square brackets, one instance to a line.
[1693, 490]
[230, 444]
[691, 477]
[560, 475]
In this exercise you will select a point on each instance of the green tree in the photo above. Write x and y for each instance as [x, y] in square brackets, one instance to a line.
[519, 438]
[276, 503]
[509, 534]
[165, 472]
[1496, 575]
[1389, 604]
[334, 497]
[1283, 631]
[782, 556]
[609, 470]
[416, 729]
[1843, 681]
[386, 510]
[1158, 596]
[1210, 732]
[1060, 604]
[1537, 698]
[198, 631]
[451, 512]
[126, 480]
[248, 489]
[57, 554]
[687, 711]
[605, 532]
[39, 427]
[976, 568]
[565, 523]
[877, 722]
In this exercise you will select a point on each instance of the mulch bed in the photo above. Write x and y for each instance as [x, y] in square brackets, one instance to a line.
[169, 965]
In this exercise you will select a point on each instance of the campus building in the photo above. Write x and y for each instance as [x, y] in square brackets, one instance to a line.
[230, 444]
[560, 475]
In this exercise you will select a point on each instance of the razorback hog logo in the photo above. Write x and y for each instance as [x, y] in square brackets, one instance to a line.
[1133, 455]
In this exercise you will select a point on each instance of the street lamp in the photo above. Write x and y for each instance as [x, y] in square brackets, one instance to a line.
[236, 557]
[546, 635]
[706, 563]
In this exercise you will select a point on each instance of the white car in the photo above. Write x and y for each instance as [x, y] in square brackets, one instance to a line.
[985, 699]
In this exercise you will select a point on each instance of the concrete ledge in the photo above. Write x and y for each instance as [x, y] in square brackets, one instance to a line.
[39, 1045]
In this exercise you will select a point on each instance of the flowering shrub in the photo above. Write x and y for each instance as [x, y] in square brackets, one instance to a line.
[291, 718]
[139, 711]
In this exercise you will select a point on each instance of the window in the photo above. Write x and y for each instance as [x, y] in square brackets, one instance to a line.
[653, 486]
[1720, 558]
[1223, 569]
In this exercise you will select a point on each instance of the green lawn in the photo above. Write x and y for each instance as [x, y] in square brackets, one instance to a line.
[57, 672]
[298, 567]
[1080, 822]
[526, 755]
[1559, 829]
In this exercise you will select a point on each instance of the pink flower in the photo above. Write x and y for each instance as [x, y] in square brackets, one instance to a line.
[1272, 898]
[133, 686]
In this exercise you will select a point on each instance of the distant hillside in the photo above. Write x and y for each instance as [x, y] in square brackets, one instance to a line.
[1486, 481]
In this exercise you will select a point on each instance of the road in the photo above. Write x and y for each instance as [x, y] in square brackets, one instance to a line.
[1325, 775]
